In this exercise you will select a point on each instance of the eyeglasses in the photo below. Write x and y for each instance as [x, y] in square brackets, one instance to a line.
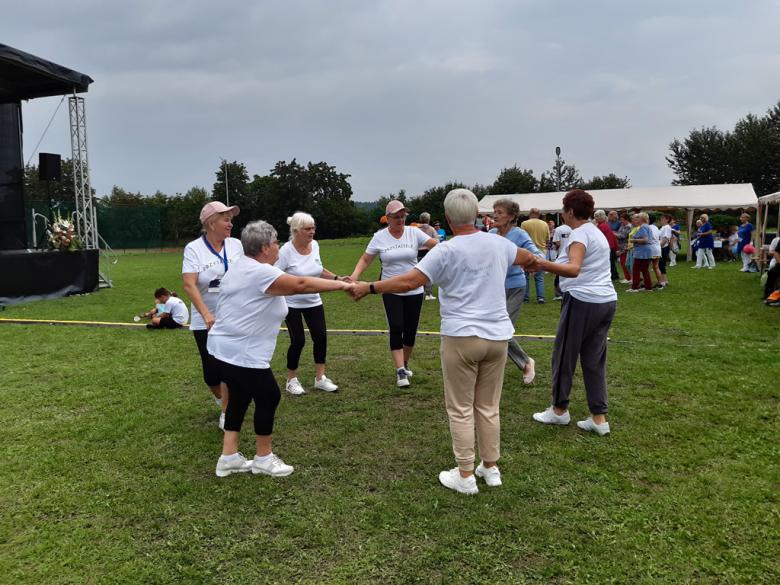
[404, 216]
[309, 229]
[274, 242]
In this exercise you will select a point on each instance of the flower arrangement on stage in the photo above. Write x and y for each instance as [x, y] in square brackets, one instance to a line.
[61, 235]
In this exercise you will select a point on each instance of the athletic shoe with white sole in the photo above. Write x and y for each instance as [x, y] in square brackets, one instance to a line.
[272, 466]
[548, 417]
[238, 465]
[558, 298]
[529, 377]
[632, 290]
[645, 290]
[402, 378]
[294, 387]
[589, 425]
[491, 475]
[408, 371]
[451, 479]
[430, 298]
[625, 281]
[222, 421]
[325, 384]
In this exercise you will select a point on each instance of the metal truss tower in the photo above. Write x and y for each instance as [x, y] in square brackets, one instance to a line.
[86, 219]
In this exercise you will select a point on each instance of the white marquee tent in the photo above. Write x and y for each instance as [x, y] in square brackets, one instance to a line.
[693, 197]
[690, 198]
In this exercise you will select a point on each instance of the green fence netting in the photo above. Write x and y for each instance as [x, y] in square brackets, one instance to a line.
[123, 227]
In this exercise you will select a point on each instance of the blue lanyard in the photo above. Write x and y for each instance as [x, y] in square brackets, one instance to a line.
[224, 251]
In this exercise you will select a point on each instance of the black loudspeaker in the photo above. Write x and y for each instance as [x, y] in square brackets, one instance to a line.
[49, 167]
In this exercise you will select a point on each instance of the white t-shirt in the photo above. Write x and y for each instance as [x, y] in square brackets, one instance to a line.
[773, 248]
[398, 256]
[594, 283]
[470, 271]
[561, 234]
[248, 320]
[655, 241]
[198, 259]
[666, 232]
[291, 262]
[177, 309]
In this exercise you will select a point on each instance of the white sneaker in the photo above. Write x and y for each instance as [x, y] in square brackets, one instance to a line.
[695, 266]
[589, 425]
[272, 466]
[632, 290]
[491, 475]
[558, 298]
[529, 377]
[408, 371]
[710, 267]
[548, 417]
[222, 421]
[451, 479]
[294, 387]
[402, 378]
[430, 298]
[238, 465]
[625, 281]
[325, 384]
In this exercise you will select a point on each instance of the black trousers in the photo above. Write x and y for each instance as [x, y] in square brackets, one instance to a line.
[212, 373]
[246, 385]
[403, 318]
[772, 276]
[612, 266]
[664, 258]
[315, 321]
[582, 333]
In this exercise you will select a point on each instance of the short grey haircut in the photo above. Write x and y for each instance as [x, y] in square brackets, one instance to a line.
[745, 215]
[461, 207]
[510, 206]
[600, 213]
[425, 217]
[299, 219]
[256, 235]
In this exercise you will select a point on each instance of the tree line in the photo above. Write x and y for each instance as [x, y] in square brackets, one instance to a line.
[750, 153]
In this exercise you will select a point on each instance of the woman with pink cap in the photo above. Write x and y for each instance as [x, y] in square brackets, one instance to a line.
[206, 260]
[397, 250]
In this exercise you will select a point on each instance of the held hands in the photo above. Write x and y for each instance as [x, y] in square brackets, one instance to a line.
[535, 266]
[346, 279]
[358, 290]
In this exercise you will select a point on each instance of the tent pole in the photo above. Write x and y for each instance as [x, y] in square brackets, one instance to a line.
[689, 217]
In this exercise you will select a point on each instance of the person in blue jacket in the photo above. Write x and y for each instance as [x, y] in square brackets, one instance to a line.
[505, 214]
[440, 233]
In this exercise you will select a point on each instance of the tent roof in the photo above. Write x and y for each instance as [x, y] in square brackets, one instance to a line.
[701, 197]
[772, 198]
[24, 77]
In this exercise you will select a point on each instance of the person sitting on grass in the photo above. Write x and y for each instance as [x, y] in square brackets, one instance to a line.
[174, 314]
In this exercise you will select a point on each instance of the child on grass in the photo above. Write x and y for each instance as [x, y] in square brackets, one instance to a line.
[174, 311]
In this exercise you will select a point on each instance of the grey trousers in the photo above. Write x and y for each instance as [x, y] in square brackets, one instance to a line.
[582, 332]
[514, 302]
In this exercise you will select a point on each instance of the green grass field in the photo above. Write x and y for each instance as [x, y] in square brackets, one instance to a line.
[109, 439]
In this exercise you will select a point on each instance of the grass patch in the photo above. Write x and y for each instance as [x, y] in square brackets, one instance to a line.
[108, 442]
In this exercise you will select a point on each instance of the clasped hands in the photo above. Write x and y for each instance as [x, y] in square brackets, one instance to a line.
[357, 290]
[535, 266]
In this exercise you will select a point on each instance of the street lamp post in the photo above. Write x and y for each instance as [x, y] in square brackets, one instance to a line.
[558, 165]
[227, 190]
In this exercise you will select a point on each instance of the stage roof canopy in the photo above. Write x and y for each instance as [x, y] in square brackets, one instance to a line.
[24, 77]
[700, 197]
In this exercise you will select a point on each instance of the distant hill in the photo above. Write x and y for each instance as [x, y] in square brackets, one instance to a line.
[367, 205]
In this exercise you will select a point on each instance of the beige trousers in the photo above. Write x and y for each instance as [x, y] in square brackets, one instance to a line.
[473, 370]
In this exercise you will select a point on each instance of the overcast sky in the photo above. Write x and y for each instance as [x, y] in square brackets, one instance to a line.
[399, 94]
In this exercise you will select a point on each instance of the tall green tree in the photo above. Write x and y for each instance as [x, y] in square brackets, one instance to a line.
[514, 180]
[570, 179]
[750, 153]
[610, 181]
[37, 190]
[237, 184]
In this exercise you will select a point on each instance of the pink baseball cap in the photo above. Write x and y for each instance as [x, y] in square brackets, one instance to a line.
[394, 207]
[216, 207]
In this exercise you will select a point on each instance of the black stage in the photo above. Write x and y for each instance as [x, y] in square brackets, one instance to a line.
[36, 276]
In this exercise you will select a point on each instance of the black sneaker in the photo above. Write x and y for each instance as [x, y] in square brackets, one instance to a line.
[540, 301]
[658, 287]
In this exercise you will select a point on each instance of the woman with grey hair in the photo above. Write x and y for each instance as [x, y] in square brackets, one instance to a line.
[505, 214]
[426, 228]
[243, 339]
[301, 257]
[614, 247]
[475, 327]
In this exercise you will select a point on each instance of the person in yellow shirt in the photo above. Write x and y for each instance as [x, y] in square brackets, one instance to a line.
[540, 235]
